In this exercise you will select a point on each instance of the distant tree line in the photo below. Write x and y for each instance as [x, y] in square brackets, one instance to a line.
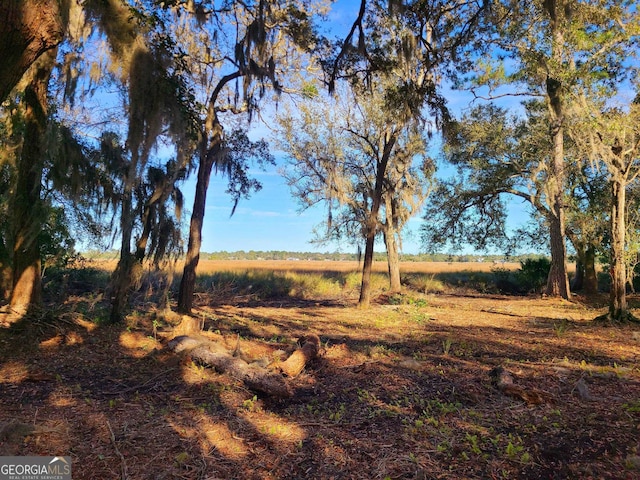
[283, 255]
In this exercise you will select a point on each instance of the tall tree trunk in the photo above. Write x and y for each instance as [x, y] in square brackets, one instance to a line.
[590, 274]
[28, 209]
[373, 220]
[558, 280]
[393, 257]
[28, 29]
[393, 263]
[365, 287]
[618, 310]
[207, 160]
[122, 278]
[577, 283]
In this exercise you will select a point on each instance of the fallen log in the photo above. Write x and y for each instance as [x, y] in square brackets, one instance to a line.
[293, 365]
[254, 376]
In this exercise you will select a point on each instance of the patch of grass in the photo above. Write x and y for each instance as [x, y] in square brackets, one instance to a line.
[259, 283]
[405, 299]
[632, 407]
[353, 281]
[561, 327]
[446, 345]
[338, 414]
[313, 285]
[265, 284]
[250, 404]
[425, 283]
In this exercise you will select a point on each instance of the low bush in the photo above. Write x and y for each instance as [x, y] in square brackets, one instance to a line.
[533, 274]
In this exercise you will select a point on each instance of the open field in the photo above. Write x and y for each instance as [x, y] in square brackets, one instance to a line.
[211, 266]
[400, 391]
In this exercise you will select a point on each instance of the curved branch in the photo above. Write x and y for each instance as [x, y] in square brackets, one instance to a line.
[357, 24]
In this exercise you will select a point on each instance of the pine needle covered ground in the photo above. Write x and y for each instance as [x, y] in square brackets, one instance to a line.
[403, 390]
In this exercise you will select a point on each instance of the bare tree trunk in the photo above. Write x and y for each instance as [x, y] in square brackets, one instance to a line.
[365, 287]
[590, 275]
[28, 29]
[27, 205]
[207, 160]
[121, 280]
[618, 310]
[577, 283]
[558, 280]
[393, 257]
[393, 261]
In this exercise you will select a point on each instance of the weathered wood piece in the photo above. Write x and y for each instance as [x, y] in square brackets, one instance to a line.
[293, 365]
[254, 376]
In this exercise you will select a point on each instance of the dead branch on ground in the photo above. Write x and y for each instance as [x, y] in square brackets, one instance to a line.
[254, 376]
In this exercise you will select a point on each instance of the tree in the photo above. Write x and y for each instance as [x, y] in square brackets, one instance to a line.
[549, 48]
[29, 29]
[27, 205]
[470, 208]
[533, 35]
[248, 46]
[36, 27]
[159, 105]
[43, 168]
[407, 189]
[370, 172]
[237, 154]
[614, 139]
[608, 133]
[498, 155]
[406, 48]
[588, 202]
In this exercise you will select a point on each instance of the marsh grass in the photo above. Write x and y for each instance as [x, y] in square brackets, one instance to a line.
[257, 280]
[266, 284]
[425, 283]
[308, 284]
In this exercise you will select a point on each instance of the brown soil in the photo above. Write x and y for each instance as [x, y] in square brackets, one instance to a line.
[401, 391]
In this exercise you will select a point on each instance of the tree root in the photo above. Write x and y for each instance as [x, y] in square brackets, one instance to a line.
[621, 319]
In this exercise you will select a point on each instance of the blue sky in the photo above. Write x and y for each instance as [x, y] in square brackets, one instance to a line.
[271, 219]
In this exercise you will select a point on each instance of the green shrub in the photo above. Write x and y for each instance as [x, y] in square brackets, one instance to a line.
[533, 274]
[506, 281]
[531, 277]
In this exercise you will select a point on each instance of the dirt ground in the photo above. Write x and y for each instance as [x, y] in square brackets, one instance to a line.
[400, 391]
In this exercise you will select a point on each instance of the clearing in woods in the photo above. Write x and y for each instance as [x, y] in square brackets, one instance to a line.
[403, 390]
